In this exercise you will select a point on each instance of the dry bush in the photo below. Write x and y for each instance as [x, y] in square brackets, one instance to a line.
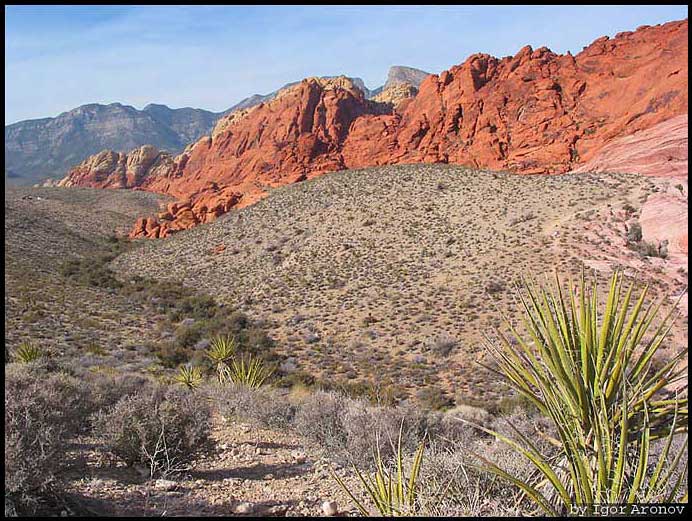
[42, 411]
[365, 425]
[452, 487]
[164, 428]
[107, 389]
[319, 420]
[263, 406]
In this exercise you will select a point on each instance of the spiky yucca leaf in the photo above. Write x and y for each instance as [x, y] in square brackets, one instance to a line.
[27, 352]
[392, 494]
[249, 371]
[220, 352]
[592, 376]
[189, 376]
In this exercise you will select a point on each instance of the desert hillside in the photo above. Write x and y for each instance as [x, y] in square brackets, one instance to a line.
[394, 273]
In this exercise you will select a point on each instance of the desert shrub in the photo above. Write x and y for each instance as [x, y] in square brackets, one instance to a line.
[107, 389]
[171, 354]
[494, 287]
[42, 411]
[365, 425]
[164, 428]
[188, 336]
[634, 233]
[319, 420]
[433, 397]
[443, 344]
[91, 272]
[451, 485]
[650, 249]
[264, 406]
[299, 378]
[198, 306]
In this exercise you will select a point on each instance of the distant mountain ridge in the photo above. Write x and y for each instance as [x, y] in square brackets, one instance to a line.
[47, 148]
[397, 75]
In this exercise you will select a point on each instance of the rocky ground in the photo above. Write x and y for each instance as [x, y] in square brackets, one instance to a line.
[393, 274]
[248, 471]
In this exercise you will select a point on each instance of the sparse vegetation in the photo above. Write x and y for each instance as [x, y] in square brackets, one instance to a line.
[350, 313]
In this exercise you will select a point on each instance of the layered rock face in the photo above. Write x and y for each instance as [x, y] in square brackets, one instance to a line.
[534, 113]
[658, 151]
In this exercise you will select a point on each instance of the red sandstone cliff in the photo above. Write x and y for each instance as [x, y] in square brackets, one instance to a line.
[535, 112]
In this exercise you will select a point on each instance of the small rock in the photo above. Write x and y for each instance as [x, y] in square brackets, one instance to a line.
[298, 456]
[244, 508]
[165, 484]
[329, 508]
[203, 344]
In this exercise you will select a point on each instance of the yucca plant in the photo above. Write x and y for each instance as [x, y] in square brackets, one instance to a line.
[189, 376]
[27, 352]
[392, 494]
[220, 352]
[591, 373]
[250, 372]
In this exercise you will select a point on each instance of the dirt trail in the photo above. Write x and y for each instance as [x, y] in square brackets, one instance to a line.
[249, 471]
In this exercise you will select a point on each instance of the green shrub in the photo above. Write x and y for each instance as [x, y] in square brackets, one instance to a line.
[171, 354]
[590, 373]
[27, 352]
[634, 233]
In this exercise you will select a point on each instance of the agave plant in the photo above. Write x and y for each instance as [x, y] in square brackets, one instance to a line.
[250, 372]
[392, 494]
[189, 376]
[593, 377]
[27, 352]
[219, 352]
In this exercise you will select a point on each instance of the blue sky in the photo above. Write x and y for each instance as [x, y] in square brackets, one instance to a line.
[57, 58]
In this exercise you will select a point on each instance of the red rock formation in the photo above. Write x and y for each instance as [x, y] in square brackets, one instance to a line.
[109, 169]
[536, 112]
